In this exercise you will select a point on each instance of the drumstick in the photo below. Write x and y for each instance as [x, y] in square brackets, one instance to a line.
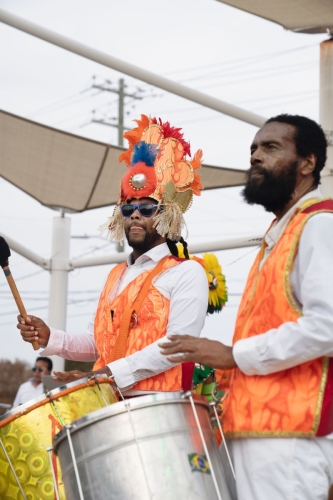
[4, 256]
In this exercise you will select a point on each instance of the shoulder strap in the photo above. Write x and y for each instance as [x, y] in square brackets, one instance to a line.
[325, 205]
[119, 349]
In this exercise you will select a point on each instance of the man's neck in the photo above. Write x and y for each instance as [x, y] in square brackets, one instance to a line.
[137, 252]
[299, 192]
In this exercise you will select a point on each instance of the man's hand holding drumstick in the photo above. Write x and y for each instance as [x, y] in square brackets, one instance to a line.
[34, 329]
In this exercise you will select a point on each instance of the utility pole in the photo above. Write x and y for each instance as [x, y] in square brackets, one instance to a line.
[121, 112]
[122, 94]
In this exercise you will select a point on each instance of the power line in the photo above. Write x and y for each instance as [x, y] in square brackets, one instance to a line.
[267, 98]
[122, 94]
[26, 276]
[61, 103]
[39, 308]
[216, 116]
[277, 72]
[244, 60]
[265, 70]
[242, 256]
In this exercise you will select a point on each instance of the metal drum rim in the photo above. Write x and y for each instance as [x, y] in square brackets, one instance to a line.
[26, 407]
[121, 407]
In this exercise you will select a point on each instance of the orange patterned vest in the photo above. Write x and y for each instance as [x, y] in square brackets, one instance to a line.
[293, 402]
[152, 320]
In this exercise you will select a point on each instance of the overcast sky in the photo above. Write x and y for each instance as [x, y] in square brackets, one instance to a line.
[204, 44]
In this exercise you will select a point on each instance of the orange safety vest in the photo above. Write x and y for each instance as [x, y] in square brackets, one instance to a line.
[149, 326]
[293, 402]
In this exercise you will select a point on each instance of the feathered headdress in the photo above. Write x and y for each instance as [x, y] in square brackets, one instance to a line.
[158, 168]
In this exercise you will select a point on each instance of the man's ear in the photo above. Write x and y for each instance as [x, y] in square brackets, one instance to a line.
[308, 165]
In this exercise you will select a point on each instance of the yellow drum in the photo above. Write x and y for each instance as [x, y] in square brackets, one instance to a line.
[27, 431]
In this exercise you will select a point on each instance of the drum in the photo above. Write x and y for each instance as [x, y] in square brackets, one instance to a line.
[27, 431]
[158, 446]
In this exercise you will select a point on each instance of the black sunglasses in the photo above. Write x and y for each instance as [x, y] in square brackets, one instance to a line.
[35, 368]
[144, 209]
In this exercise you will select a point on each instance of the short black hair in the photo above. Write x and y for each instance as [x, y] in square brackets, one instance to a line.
[46, 360]
[309, 139]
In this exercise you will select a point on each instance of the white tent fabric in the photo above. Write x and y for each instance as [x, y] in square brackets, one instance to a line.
[65, 171]
[304, 16]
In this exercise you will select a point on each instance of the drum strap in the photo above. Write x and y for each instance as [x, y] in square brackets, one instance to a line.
[119, 349]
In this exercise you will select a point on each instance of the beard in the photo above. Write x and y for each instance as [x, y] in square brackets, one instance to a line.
[274, 190]
[146, 243]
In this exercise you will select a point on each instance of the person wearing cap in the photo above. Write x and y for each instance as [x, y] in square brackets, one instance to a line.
[155, 292]
[34, 387]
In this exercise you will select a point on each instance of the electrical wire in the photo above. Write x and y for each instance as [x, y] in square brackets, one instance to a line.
[26, 276]
[244, 60]
[277, 72]
[60, 103]
[246, 101]
[39, 308]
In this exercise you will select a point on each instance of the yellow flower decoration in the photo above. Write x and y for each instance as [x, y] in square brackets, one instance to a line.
[218, 294]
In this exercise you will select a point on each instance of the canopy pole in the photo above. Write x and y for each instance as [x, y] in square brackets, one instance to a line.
[210, 246]
[59, 279]
[130, 69]
[326, 111]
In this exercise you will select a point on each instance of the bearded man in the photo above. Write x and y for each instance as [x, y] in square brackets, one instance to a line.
[279, 411]
[155, 292]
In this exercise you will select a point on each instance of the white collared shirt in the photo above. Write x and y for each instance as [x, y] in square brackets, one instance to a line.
[185, 285]
[27, 392]
[311, 279]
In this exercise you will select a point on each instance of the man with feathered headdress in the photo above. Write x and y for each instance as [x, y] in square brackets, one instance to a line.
[155, 292]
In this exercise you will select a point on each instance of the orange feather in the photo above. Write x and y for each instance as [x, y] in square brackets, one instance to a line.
[196, 185]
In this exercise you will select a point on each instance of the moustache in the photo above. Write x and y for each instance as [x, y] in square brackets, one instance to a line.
[257, 169]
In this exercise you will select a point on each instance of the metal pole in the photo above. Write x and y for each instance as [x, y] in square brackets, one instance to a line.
[120, 246]
[131, 70]
[25, 252]
[121, 113]
[210, 246]
[59, 279]
[326, 111]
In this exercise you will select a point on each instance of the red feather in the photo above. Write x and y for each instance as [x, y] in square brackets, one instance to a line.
[175, 133]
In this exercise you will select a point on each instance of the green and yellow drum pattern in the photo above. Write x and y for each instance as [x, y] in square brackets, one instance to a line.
[27, 432]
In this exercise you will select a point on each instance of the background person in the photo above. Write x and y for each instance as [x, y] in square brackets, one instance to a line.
[280, 403]
[34, 387]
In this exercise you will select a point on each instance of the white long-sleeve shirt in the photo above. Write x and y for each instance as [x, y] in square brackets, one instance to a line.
[185, 285]
[311, 278]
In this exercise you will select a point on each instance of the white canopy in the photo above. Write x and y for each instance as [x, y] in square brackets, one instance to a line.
[304, 16]
[63, 170]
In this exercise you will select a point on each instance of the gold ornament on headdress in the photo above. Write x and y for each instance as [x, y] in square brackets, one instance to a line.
[171, 179]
